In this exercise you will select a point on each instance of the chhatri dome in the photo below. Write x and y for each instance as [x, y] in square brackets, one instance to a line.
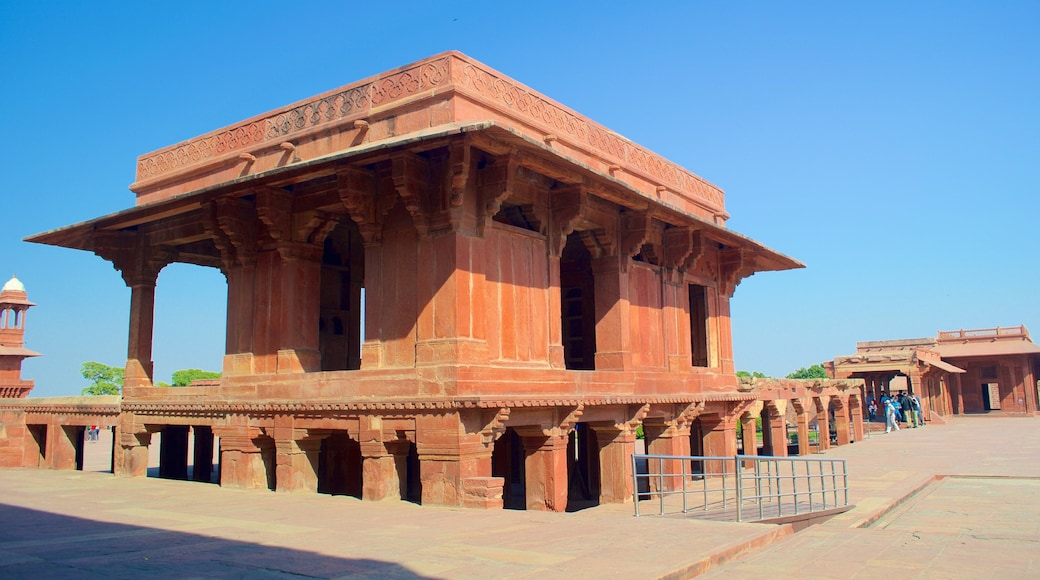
[14, 285]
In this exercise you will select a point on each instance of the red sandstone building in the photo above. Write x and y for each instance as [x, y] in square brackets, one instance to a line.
[536, 288]
[960, 371]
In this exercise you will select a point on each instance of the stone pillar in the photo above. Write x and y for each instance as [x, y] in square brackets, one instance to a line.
[380, 478]
[455, 467]
[545, 468]
[62, 443]
[616, 447]
[823, 421]
[841, 418]
[613, 337]
[722, 342]
[720, 440]
[804, 444]
[138, 372]
[131, 458]
[296, 462]
[856, 410]
[173, 452]
[777, 428]
[241, 301]
[242, 463]
[666, 439]
[749, 434]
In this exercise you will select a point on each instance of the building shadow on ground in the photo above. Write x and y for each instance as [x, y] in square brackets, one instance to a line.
[37, 544]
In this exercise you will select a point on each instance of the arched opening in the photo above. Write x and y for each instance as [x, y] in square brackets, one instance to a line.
[342, 279]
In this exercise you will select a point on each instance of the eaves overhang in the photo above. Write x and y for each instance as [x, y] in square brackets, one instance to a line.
[82, 235]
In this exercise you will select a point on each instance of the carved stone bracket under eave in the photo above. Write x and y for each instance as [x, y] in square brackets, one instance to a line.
[410, 174]
[495, 184]
[356, 188]
[636, 228]
[734, 266]
[461, 156]
[568, 205]
[232, 224]
[137, 263]
[495, 426]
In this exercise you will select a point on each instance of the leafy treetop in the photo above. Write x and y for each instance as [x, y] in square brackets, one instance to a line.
[184, 377]
[104, 380]
[813, 372]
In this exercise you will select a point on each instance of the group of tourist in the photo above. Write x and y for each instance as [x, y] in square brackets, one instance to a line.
[898, 409]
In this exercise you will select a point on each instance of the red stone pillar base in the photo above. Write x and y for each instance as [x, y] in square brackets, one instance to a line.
[131, 454]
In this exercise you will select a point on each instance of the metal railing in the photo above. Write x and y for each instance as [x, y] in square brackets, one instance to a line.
[742, 488]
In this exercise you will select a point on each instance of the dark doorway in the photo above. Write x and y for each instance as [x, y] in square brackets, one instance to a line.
[342, 279]
[508, 462]
[339, 466]
[583, 468]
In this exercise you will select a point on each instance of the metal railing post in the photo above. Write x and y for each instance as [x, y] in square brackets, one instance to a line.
[737, 465]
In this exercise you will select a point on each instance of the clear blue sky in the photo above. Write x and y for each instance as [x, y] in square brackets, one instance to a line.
[892, 146]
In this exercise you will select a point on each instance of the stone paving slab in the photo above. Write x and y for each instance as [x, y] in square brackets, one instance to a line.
[82, 524]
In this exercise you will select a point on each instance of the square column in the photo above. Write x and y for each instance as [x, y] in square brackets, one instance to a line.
[823, 422]
[720, 440]
[777, 431]
[130, 458]
[841, 420]
[749, 434]
[545, 468]
[616, 447]
[296, 462]
[804, 445]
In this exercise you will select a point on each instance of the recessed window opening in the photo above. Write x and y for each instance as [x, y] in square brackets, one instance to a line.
[578, 305]
[699, 325]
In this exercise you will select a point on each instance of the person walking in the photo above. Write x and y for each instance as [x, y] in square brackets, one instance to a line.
[907, 406]
[890, 416]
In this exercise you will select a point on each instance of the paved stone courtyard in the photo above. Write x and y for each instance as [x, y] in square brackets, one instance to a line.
[980, 521]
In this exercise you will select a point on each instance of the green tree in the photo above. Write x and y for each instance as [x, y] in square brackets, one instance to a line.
[184, 377]
[104, 380]
[753, 374]
[813, 372]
